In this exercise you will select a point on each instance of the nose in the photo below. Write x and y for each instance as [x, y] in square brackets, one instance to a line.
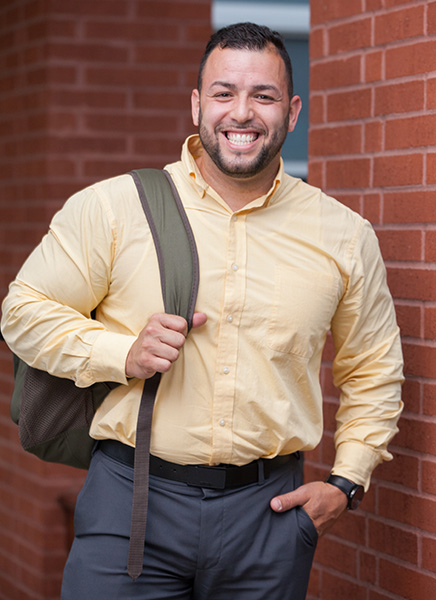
[242, 110]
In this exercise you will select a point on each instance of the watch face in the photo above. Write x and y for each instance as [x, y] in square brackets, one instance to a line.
[356, 497]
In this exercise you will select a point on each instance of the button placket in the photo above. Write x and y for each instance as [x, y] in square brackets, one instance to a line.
[225, 380]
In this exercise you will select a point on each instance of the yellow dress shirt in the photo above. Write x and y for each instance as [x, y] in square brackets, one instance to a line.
[275, 277]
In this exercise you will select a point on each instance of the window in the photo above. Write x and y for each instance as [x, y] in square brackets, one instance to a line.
[291, 18]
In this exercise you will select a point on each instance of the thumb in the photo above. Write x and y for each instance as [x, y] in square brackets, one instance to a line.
[288, 501]
[198, 320]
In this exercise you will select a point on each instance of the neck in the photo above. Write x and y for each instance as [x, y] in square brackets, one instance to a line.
[237, 192]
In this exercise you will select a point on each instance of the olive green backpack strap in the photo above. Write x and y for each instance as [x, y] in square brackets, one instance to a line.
[179, 273]
[173, 240]
[52, 413]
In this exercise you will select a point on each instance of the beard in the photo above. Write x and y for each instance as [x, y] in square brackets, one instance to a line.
[239, 165]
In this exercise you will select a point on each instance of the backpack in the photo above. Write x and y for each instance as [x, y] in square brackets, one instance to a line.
[53, 415]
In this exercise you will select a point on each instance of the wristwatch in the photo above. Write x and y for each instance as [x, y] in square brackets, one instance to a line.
[353, 491]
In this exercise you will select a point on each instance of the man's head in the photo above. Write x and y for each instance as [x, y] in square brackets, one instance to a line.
[244, 105]
[247, 36]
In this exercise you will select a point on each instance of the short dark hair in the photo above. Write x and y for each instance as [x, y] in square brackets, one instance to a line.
[247, 36]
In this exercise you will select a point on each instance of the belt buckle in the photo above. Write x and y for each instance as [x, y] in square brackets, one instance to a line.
[208, 477]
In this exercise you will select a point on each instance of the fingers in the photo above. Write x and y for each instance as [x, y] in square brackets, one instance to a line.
[158, 344]
[289, 500]
[322, 502]
[198, 320]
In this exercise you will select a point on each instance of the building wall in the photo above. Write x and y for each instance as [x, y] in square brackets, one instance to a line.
[92, 89]
[372, 145]
[88, 89]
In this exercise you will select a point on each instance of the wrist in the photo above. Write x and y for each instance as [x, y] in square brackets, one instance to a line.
[353, 492]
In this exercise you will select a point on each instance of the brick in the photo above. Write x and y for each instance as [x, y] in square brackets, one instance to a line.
[317, 109]
[430, 247]
[334, 587]
[88, 52]
[429, 476]
[373, 69]
[420, 360]
[393, 541]
[409, 318]
[174, 10]
[374, 136]
[335, 140]
[372, 208]
[328, 552]
[430, 320]
[429, 401]
[130, 122]
[416, 434]
[367, 567]
[373, 4]
[401, 244]
[317, 41]
[348, 173]
[431, 93]
[429, 554]
[431, 17]
[321, 11]
[417, 206]
[345, 106]
[335, 73]
[351, 36]
[411, 132]
[316, 173]
[411, 59]
[131, 76]
[393, 471]
[132, 31]
[431, 169]
[153, 54]
[409, 509]
[399, 25]
[399, 98]
[403, 581]
[399, 170]
[105, 8]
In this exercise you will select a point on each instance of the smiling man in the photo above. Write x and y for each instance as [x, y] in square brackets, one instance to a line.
[281, 264]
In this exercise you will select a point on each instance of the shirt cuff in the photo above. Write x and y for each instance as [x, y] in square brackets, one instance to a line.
[108, 359]
[356, 461]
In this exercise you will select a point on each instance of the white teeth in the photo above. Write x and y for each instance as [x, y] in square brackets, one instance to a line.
[241, 138]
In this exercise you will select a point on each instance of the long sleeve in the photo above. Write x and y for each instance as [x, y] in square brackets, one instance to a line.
[368, 363]
[46, 315]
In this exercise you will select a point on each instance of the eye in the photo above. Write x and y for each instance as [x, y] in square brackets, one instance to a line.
[265, 98]
[223, 95]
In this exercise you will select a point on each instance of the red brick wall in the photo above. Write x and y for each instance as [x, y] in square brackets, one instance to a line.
[88, 89]
[373, 146]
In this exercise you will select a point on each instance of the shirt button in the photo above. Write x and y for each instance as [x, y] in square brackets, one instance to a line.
[234, 218]
[226, 370]
[229, 319]
[222, 423]
[235, 267]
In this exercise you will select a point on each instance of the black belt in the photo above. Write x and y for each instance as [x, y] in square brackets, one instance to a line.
[218, 477]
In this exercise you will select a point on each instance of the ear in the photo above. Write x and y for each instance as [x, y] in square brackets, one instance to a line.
[294, 110]
[195, 106]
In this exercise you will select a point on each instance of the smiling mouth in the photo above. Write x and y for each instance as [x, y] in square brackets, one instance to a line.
[241, 139]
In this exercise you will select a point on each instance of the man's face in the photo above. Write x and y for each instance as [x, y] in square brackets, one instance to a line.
[244, 111]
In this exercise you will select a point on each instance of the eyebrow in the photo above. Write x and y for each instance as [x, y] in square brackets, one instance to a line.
[256, 88]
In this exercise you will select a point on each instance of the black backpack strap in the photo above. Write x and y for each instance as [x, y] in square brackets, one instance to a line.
[179, 272]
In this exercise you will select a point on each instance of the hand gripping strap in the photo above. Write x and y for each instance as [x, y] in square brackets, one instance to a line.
[179, 272]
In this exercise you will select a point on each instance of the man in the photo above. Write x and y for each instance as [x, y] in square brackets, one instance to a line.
[280, 265]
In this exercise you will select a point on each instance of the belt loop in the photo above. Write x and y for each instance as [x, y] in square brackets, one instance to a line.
[260, 472]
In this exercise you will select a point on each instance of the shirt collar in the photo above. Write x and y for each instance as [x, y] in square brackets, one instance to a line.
[192, 149]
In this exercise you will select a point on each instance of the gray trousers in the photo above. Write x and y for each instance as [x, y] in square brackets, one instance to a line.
[201, 544]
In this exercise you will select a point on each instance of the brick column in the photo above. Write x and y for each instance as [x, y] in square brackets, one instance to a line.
[89, 89]
[373, 146]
